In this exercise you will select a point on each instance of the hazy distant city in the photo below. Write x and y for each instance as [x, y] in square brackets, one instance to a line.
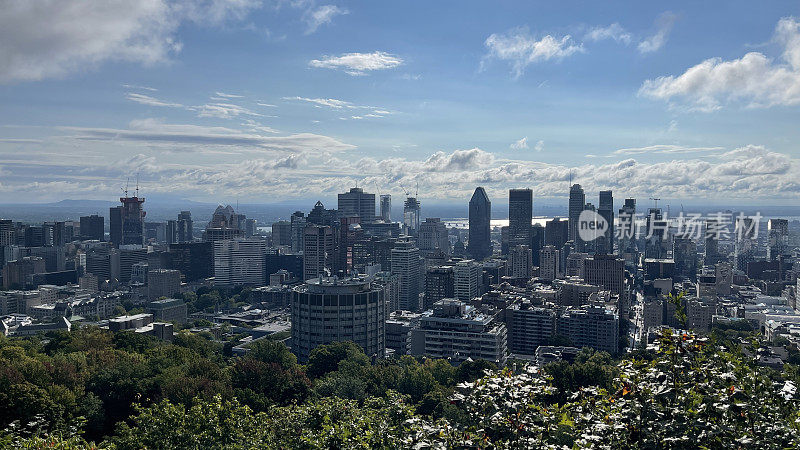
[280, 224]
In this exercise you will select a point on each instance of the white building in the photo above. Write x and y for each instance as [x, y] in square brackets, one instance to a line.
[239, 262]
[466, 279]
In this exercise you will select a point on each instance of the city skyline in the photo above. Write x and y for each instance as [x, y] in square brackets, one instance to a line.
[687, 102]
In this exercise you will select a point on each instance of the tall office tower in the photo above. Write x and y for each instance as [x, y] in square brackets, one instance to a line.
[386, 208]
[349, 233]
[520, 213]
[537, 242]
[54, 234]
[185, 226]
[128, 256]
[439, 284]
[321, 216]
[282, 233]
[480, 231]
[357, 203]
[17, 273]
[605, 208]
[411, 215]
[240, 262]
[8, 235]
[577, 202]
[195, 260]
[778, 238]
[591, 244]
[656, 229]
[330, 310]
[171, 232]
[407, 265]
[115, 225]
[433, 236]
[556, 232]
[318, 251]
[250, 227]
[467, 279]
[627, 224]
[684, 252]
[607, 271]
[745, 240]
[132, 220]
[298, 222]
[548, 263]
[712, 235]
[92, 227]
[520, 261]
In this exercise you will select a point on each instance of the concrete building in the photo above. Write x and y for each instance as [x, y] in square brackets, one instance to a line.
[407, 265]
[520, 260]
[590, 326]
[357, 203]
[573, 291]
[433, 236]
[398, 326]
[548, 263]
[239, 262]
[318, 253]
[529, 327]
[332, 310]
[520, 213]
[457, 332]
[607, 271]
[466, 280]
[163, 283]
[439, 284]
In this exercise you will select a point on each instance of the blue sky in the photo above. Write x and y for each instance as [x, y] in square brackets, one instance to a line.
[260, 101]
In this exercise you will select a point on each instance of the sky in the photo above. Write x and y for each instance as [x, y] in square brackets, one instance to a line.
[264, 101]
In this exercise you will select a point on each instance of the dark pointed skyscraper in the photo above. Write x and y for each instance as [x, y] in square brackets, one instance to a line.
[577, 201]
[480, 217]
[606, 210]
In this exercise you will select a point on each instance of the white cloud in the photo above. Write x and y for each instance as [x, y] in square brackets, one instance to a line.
[224, 95]
[224, 111]
[613, 31]
[665, 149]
[754, 79]
[358, 63]
[664, 24]
[150, 101]
[327, 102]
[322, 15]
[47, 38]
[521, 49]
[520, 144]
[539, 145]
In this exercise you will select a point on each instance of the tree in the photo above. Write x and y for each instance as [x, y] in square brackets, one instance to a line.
[326, 358]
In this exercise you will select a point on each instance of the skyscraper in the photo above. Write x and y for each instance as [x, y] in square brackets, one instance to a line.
[577, 201]
[605, 208]
[185, 225]
[548, 263]
[520, 213]
[480, 217]
[298, 224]
[433, 235]
[386, 208]
[357, 203]
[411, 215]
[406, 264]
[92, 227]
[556, 232]
[318, 251]
[627, 224]
[778, 236]
[127, 222]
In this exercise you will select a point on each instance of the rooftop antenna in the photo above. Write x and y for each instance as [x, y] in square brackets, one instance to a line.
[137, 185]
[127, 182]
[416, 192]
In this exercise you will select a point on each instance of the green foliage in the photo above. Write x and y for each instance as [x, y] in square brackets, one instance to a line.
[326, 358]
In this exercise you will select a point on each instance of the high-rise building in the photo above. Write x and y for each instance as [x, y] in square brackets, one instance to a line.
[439, 284]
[185, 227]
[605, 208]
[607, 271]
[127, 222]
[684, 252]
[334, 310]
[529, 327]
[577, 203]
[548, 263]
[225, 224]
[92, 227]
[298, 223]
[321, 216]
[386, 208]
[744, 242]
[480, 217]
[520, 261]
[627, 225]
[240, 262]
[357, 203]
[411, 215]
[590, 326]
[467, 280]
[171, 232]
[520, 214]
[407, 265]
[195, 260]
[433, 236]
[318, 251]
[282, 233]
[712, 236]
[556, 232]
[778, 238]
[163, 283]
